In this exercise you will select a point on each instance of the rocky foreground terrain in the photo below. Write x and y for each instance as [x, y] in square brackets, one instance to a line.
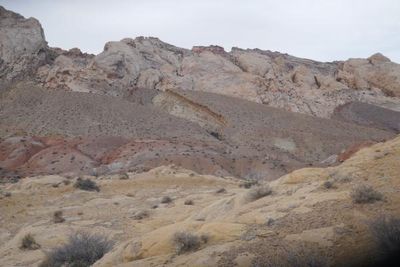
[196, 157]
[313, 208]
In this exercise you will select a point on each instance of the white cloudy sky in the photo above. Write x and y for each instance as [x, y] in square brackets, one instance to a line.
[319, 29]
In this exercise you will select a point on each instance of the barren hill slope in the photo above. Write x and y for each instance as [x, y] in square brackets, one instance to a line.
[209, 133]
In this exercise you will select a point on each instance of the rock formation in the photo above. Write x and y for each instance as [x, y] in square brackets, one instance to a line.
[22, 46]
[271, 78]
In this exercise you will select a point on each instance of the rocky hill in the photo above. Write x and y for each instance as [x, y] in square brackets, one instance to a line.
[152, 155]
[271, 78]
[202, 109]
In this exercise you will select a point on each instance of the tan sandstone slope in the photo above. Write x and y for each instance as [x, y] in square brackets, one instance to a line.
[300, 212]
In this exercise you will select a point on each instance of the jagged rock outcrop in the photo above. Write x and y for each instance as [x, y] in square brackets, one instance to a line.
[22, 46]
[271, 78]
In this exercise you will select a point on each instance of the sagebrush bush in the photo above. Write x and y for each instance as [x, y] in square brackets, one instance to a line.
[82, 250]
[293, 257]
[220, 191]
[86, 184]
[28, 242]
[166, 199]
[189, 202]
[185, 242]
[386, 233]
[141, 215]
[248, 183]
[58, 217]
[328, 184]
[365, 194]
[259, 192]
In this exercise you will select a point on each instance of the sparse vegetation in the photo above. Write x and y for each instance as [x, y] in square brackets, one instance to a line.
[248, 183]
[259, 192]
[141, 215]
[328, 184]
[189, 202]
[58, 217]
[82, 249]
[204, 238]
[166, 199]
[221, 190]
[86, 184]
[365, 194]
[293, 257]
[216, 135]
[124, 176]
[386, 233]
[185, 241]
[28, 242]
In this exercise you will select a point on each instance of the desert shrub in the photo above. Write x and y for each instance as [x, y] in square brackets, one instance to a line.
[28, 242]
[189, 202]
[248, 183]
[204, 238]
[328, 184]
[221, 190]
[293, 257]
[124, 176]
[141, 215]
[259, 192]
[386, 233]
[86, 184]
[185, 242]
[216, 135]
[166, 199]
[58, 217]
[365, 194]
[82, 249]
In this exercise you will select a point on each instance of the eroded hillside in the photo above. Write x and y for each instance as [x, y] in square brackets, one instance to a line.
[242, 227]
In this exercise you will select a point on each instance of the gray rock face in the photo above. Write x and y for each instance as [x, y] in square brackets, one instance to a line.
[271, 78]
[23, 46]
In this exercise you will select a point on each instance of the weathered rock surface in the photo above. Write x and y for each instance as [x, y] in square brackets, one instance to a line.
[271, 78]
[300, 212]
[22, 46]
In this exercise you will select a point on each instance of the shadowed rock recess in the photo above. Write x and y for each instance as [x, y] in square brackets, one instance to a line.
[250, 157]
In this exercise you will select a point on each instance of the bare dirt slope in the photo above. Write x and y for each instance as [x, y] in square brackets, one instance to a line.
[369, 115]
[74, 132]
[301, 212]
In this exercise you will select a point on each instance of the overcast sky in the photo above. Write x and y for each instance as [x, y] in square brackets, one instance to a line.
[318, 29]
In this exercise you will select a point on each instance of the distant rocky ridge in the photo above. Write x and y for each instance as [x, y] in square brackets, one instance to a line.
[142, 103]
[271, 78]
